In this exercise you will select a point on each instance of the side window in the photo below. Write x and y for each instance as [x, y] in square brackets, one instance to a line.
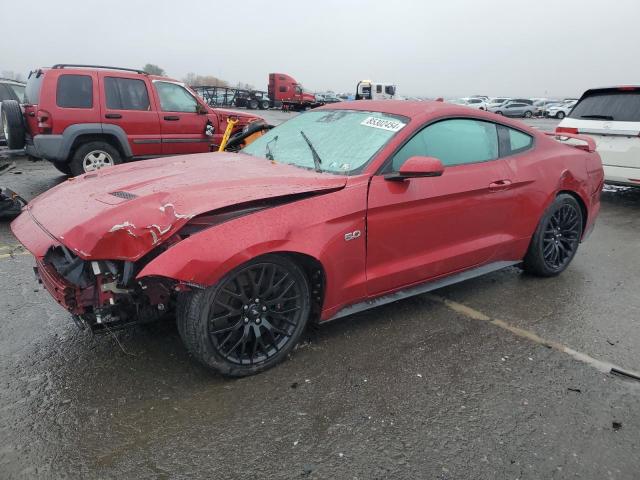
[378, 88]
[175, 98]
[390, 90]
[74, 91]
[453, 142]
[126, 94]
[5, 94]
[283, 88]
[513, 141]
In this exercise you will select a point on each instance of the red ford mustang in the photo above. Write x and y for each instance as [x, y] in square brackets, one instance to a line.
[337, 210]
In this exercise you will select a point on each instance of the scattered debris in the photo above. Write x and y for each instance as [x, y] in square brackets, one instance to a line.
[307, 468]
[612, 343]
[625, 373]
[294, 385]
[577, 390]
[616, 425]
[420, 375]
[295, 443]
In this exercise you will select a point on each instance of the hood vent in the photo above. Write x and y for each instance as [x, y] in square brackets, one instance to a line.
[124, 195]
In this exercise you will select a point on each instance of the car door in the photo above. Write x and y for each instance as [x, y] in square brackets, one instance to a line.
[126, 103]
[183, 119]
[422, 228]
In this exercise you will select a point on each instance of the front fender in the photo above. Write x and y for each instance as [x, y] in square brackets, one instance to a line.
[315, 226]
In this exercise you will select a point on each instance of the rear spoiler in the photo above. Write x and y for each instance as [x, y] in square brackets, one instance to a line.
[562, 136]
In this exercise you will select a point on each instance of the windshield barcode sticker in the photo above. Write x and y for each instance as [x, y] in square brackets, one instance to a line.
[384, 124]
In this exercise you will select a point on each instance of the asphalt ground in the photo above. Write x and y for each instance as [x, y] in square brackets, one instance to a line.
[504, 376]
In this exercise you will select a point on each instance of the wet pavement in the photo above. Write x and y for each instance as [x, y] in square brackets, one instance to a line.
[414, 389]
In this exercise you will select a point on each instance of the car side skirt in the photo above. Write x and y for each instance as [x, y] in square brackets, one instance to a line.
[422, 288]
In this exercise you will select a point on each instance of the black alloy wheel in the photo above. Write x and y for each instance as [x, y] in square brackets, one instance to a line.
[557, 237]
[561, 237]
[250, 320]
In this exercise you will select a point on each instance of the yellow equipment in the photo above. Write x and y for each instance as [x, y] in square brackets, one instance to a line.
[227, 133]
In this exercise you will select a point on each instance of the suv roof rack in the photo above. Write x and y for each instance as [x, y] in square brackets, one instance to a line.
[65, 65]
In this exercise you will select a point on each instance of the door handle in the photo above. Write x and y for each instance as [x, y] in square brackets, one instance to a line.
[113, 115]
[499, 185]
[171, 118]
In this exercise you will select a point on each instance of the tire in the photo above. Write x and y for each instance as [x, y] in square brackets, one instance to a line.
[528, 114]
[62, 167]
[560, 115]
[264, 105]
[93, 156]
[13, 124]
[253, 332]
[253, 104]
[556, 239]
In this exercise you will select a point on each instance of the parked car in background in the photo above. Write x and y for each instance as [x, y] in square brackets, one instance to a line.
[9, 90]
[542, 104]
[559, 110]
[611, 116]
[474, 102]
[254, 246]
[514, 108]
[83, 118]
[330, 98]
[497, 101]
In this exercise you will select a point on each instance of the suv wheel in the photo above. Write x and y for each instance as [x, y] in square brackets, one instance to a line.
[93, 156]
[62, 167]
[13, 124]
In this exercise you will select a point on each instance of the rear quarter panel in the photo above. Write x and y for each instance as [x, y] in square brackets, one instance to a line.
[314, 226]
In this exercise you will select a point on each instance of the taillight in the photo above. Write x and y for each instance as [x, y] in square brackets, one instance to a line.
[566, 130]
[45, 125]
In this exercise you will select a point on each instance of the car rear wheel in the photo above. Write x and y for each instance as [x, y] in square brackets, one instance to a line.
[560, 115]
[528, 114]
[93, 156]
[250, 320]
[62, 167]
[556, 239]
[13, 124]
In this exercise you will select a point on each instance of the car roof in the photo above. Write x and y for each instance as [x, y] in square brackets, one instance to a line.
[72, 70]
[423, 111]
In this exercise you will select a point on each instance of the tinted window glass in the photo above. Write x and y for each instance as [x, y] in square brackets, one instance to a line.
[5, 94]
[74, 91]
[518, 141]
[454, 142]
[174, 98]
[619, 105]
[126, 94]
[32, 92]
[18, 90]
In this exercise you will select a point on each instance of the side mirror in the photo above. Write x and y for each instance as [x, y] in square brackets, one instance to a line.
[417, 167]
[200, 109]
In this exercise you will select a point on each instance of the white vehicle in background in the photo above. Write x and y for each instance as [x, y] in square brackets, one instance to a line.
[369, 90]
[496, 102]
[475, 102]
[611, 116]
[9, 90]
[559, 110]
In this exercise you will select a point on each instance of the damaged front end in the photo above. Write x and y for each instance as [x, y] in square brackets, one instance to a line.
[103, 294]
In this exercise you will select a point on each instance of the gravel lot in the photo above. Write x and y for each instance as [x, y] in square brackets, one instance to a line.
[444, 386]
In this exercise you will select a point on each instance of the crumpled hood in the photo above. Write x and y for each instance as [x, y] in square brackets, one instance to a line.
[122, 212]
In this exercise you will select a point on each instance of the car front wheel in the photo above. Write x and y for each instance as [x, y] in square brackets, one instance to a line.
[527, 114]
[560, 115]
[556, 239]
[250, 320]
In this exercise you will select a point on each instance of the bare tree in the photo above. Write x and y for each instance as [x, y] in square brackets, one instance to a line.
[152, 69]
[194, 79]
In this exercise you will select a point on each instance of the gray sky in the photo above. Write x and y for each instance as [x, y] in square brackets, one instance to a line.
[434, 48]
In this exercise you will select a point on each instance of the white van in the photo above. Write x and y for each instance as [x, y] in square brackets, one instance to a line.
[368, 90]
[611, 116]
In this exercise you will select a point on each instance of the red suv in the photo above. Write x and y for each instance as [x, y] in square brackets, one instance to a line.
[86, 117]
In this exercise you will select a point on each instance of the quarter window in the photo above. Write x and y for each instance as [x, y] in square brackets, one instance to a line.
[74, 91]
[126, 94]
[175, 98]
[453, 142]
[513, 141]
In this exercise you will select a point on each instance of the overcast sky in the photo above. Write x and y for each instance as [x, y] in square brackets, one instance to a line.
[434, 48]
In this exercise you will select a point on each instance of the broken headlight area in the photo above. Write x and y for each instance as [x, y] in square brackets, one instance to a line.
[103, 294]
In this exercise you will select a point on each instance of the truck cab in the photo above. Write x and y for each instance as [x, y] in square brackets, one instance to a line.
[370, 90]
[290, 93]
